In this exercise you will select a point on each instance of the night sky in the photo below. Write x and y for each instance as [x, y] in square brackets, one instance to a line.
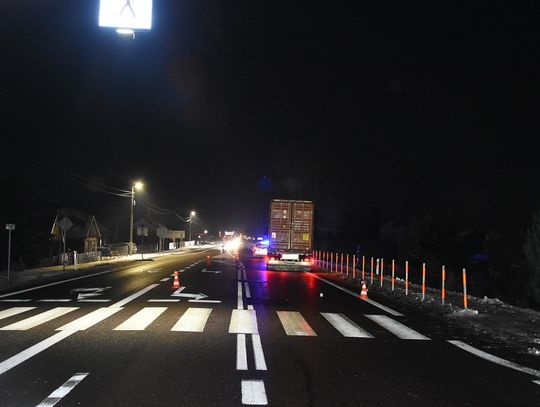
[372, 110]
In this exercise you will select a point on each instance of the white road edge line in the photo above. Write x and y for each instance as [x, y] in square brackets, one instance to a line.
[495, 359]
[59, 393]
[33, 350]
[133, 296]
[253, 393]
[246, 286]
[241, 352]
[536, 382]
[374, 303]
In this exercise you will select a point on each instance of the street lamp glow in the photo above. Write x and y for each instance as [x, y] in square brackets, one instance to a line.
[138, 185]
[192, 213]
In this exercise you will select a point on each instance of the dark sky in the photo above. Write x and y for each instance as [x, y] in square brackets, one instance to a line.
[367, 107]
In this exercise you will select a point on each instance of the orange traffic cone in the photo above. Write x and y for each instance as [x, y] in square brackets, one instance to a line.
[363, 293]
[176, 281]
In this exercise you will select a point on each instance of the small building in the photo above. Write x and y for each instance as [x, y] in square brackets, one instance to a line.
[81, 231]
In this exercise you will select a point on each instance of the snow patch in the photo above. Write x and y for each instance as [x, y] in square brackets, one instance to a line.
[487, 300]
[465, 313]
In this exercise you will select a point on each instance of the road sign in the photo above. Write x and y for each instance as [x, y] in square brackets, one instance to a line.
[142, 231]
[10, 226]
[65, 224]
[134, 14]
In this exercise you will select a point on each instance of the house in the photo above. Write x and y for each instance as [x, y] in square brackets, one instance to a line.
[81, 231]
[161, 234]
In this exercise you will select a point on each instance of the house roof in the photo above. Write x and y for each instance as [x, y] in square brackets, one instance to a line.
[83, 225]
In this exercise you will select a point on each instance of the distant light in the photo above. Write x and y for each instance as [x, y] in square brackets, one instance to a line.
[125, 31]
[138, 185]
[205, 231]
[192, 213]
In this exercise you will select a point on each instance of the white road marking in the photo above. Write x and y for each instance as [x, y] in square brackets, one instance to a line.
[240, 304]
[165, 300]
[14, 311]
[536, 382]
[243, 321]
[16, 300]
[239, 274]
[94, 300]
[244, 273]
[56, 300]
[294, 324]
[383, 307]
[133, 296]
[258, 354]
[178, 291]
[56, 283]
[211, 271]
[165, 279]
[193, 320]
[253, 393]
[241, 353]
[246, 286]
[38, 319]
[374, 303]
[90, 319]
[345, 326]
[140, 320]
[495, 359]
[250, 307]
[207, 301]
[397, 328]
[61, 392]
[33, 350]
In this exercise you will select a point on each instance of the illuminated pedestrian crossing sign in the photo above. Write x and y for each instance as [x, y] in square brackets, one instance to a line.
[131, 14]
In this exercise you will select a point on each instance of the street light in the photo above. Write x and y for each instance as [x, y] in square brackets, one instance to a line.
[191, 215]
[134, 186]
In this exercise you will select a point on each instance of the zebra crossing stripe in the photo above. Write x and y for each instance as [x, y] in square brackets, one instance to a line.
[243, 321]
[141, 319]
[345, 326]
[59, 393]
[90, 319]
[193, 320]
[39, 319]
[294, 324]
[253, 393]
[397, 328]
[14, 311]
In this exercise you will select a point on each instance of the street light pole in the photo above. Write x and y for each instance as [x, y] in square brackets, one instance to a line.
[9, 228]
[191, 215]
[131, 218]
[134, 186]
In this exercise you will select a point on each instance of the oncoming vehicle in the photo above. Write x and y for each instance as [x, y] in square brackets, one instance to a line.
[260, 249]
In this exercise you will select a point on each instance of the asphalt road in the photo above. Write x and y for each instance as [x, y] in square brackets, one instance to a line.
[233, 334]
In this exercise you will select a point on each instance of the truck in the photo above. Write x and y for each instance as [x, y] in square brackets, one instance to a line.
[290, 235]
